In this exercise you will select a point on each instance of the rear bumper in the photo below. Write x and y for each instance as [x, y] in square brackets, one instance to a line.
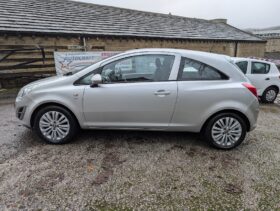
[253, 114]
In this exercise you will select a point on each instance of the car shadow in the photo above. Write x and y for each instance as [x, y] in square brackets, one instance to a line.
[139, 137]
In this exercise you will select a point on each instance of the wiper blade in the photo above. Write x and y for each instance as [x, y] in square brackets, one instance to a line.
[67, 74]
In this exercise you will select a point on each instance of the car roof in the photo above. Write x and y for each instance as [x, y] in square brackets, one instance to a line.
[178, 51]
[236, 59]
[183, 52]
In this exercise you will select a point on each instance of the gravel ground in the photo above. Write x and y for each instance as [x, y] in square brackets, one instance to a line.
[114, 170]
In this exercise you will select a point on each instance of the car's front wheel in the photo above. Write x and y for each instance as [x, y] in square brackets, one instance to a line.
[225, 131]
[55, 125]
[269, 95]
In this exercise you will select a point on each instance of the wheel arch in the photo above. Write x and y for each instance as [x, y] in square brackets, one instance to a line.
[50, 104]
[243, 116]
[273, 86]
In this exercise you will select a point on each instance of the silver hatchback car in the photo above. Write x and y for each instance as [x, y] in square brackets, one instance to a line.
[147, 89]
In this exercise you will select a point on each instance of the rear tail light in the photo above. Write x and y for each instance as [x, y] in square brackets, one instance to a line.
[251, 88]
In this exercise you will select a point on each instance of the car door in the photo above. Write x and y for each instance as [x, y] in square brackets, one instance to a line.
[137, 92]
[259, 75]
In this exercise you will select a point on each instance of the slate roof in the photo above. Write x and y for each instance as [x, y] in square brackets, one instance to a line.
[70, 17]
[268, 33]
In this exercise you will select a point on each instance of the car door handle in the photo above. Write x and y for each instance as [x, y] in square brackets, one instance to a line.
[267, 79]
[162, 93]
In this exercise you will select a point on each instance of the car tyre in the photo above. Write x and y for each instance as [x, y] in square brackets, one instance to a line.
[225, 131]
[269, 95]
[55, 125]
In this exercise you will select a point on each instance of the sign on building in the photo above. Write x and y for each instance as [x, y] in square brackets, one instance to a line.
[74, 61]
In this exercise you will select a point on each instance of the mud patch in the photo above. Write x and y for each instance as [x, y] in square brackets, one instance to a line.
[110, 161]
[232, 189]
[176, 147]
[275, 109]
[49, 181]
[191, 152]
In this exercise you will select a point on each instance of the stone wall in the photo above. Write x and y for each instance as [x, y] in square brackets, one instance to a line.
[228, 48]
[272, 55]
[12, 77]
[273, 45]
[251, 49]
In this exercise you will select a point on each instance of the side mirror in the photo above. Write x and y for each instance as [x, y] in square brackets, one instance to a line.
[95, 80]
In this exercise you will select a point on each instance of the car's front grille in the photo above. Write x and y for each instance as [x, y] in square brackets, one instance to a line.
[21, 112]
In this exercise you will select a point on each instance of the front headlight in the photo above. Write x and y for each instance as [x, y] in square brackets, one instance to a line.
[25, 90]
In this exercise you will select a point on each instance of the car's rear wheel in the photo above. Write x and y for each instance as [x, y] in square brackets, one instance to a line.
[269, 95]
[55, 125]
[226, 131]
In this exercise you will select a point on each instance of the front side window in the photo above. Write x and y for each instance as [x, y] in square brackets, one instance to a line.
[243, 66]
[191, 70]
[144, 68]
[260, 68]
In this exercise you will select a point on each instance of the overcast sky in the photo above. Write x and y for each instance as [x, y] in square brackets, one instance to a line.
[240, 13]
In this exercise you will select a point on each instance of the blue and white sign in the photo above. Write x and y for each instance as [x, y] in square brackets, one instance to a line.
[74, 61]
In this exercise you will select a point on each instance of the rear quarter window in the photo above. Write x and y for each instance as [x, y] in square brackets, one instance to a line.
[278, 67]
[243, 66]
[192, 70]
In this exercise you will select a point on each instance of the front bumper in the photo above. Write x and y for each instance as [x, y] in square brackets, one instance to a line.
[20, 112]
[23, 110]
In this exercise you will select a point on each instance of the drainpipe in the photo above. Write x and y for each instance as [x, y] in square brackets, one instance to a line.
[84, 44]
[235, 49]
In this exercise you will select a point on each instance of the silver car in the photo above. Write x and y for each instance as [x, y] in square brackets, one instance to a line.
[147, 89]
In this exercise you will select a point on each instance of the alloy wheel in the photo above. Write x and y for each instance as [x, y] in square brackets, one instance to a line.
[54, 126]
[226, 131]
[270, 95]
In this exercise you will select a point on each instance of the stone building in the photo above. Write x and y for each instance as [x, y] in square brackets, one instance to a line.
[272, 36]
[31, 30]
